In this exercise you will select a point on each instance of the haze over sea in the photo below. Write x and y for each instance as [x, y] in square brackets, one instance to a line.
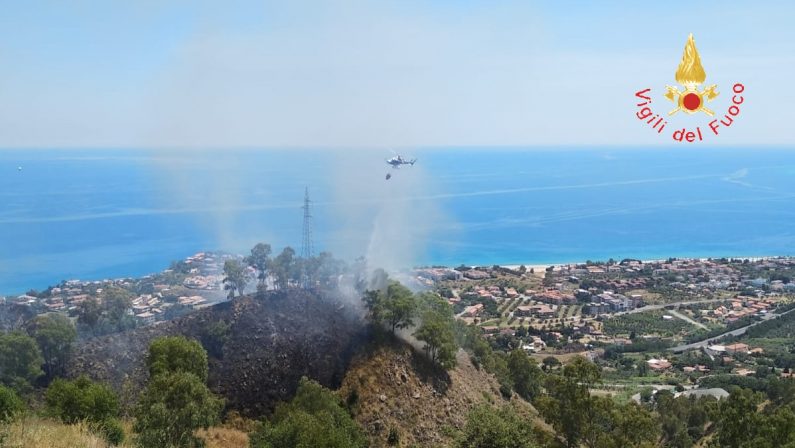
[94, 214]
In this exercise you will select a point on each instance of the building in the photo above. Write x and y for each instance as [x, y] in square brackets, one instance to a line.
[541, 310]
[473, 310]
[658, 364]
[737, 348]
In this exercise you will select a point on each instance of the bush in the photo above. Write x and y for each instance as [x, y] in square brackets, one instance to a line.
[490, 428]
[10, 404]
[506, 391]
[112, 431]
[214, 336]
[81, 399]
[314, 418]
[393, 439]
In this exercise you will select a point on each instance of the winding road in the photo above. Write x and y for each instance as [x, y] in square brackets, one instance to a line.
[736, 332]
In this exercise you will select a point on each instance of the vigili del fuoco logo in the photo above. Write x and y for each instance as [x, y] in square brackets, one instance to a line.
[692, 99]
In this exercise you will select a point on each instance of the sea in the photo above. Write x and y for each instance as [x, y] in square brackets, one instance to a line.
[93, 214]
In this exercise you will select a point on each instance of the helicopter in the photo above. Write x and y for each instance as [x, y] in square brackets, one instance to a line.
[398, 160]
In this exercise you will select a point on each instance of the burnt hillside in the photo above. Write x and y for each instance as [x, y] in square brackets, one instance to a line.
[271, 341]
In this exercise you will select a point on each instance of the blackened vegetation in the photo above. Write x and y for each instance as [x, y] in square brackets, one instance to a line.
[13, 316]
[259, 348]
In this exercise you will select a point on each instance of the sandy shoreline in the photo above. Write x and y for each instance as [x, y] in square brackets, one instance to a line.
[537, 266]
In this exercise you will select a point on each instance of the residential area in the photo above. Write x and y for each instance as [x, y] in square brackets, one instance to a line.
[659, 323]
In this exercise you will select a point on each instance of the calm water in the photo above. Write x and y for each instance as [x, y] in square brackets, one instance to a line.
[110, 213]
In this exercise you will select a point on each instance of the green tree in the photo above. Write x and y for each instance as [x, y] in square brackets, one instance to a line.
[568, 405]
[214, 336]
[81, 400]
[10, 405]
[626, 426]
[526, 375]
[285, 268]
[314, 418]
[490, 428]
[260, 260]
[550, 362]
[234, 277]
[89, 312]
[395, 307]
[20, 360]
[54, 333]
[171, 408]
[437, 332]
[116, 302]
[171, 354]
[739, 423]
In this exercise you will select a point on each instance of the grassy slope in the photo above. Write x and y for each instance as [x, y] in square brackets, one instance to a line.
[36, 432]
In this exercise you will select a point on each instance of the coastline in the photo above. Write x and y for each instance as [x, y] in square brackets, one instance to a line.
[538, 267]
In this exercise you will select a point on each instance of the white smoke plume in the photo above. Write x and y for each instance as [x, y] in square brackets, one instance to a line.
[386, 221]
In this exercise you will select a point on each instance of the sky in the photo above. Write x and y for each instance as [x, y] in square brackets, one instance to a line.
[407, 73]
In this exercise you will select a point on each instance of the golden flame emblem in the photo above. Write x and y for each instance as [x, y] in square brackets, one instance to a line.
[691, 74]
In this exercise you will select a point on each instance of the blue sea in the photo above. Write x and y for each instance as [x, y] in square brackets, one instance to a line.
[94, 214]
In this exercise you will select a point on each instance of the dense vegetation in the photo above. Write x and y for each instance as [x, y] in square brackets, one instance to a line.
[315, 417]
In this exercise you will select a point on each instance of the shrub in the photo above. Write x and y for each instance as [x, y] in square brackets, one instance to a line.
[487, 427]
[10, 404]
[81, 399]
[393, 439]
[314, 418]
[112, 431]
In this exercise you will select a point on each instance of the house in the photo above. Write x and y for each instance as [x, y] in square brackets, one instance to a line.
[473, 310]
[474, 274]
[490, 329]
[717, 393]
[596, 308]
[536, 344]
[541, 310]
[737, 348]
[523, 311]
[658, 364]
[146, 318]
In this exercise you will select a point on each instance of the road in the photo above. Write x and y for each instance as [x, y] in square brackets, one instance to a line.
[737, 332]
[687, 319]
[663, 305]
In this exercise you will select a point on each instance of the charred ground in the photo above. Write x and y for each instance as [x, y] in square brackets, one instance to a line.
[259, 346]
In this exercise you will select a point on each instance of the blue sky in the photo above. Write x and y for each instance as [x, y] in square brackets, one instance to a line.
[379, 74]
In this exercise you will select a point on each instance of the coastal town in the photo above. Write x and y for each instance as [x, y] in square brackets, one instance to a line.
[654, 323]
[193, 283]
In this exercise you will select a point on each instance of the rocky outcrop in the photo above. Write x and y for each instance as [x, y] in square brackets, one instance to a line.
[394, 389]
[271, 342]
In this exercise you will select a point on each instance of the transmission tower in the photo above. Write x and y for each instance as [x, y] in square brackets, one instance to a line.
[307, 251]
